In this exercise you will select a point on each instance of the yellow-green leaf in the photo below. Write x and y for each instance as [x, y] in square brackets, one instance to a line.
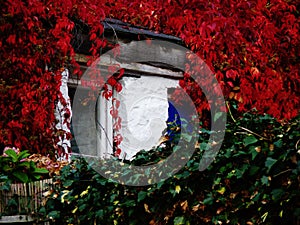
[221, 190]
[177, 189]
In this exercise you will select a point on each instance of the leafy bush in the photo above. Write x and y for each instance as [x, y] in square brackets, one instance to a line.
[23, 179]
[253, 180]
[16, 167]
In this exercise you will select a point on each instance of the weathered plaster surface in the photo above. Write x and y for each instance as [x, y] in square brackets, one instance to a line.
[144, 111]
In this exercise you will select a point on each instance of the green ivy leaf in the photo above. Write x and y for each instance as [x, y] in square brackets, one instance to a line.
[249, 140]
[129, 203]
[253, 170]
[253, 152]
[3, 177]
[270, 163]
[277, 194]
[42, 210]
[54, 214]
[278, 143]
[100, 213]
[184, 174]
[240, 172]
[218, 115]
[203, 146]
[82, 207]
[101, 180]
[68, 183]
[179, 220]
[142, 195]
[265, 180]
[209, 200]
[160, 184]
[5, 186]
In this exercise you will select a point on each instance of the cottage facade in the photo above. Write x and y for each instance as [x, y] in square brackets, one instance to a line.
[144, 107]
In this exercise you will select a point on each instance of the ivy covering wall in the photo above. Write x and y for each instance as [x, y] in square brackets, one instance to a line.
[253, 180]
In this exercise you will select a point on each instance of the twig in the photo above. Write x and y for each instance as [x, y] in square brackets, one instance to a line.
[252, 132]
[244, 128]
[230, 113]
[278, 174]
[113, 31]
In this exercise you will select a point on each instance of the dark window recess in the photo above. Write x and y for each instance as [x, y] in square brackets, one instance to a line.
[74, 146]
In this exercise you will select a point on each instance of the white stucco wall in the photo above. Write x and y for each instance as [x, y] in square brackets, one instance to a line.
[144, 111]
[64, 123]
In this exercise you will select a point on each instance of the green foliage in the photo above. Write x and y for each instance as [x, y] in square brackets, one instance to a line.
[18, 167]
[253, 180]
[15, 167]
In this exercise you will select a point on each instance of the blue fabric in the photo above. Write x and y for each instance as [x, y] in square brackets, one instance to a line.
[173, 123]
[173, 115]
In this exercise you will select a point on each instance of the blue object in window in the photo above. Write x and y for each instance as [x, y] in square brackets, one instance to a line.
[173, 125]
[173, 115]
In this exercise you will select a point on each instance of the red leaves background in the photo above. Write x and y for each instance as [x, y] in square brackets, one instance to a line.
[251, 46]
[35, 47]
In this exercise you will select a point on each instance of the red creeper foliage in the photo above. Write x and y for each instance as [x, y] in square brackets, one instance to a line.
[252, 47]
